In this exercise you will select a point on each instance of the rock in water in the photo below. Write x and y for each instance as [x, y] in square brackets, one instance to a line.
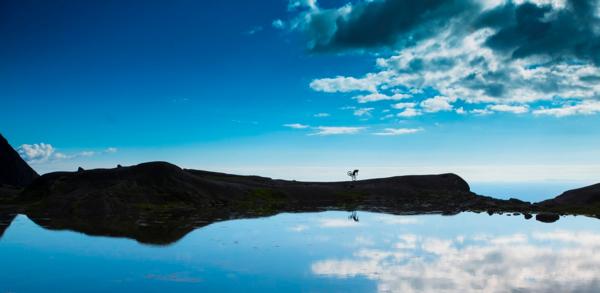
[547, 217]
[13, 169]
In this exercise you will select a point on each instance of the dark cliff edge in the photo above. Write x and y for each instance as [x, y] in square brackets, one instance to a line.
[14, 171]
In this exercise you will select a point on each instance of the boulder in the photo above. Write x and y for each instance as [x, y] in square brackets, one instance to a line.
[547, 217]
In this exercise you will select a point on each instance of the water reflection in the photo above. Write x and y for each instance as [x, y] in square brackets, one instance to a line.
[313, 252]
[559, 261]
[5, 220]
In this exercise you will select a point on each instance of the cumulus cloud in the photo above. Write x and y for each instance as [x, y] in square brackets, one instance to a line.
[478, 57]
[397, 131]
[343, 84]
[372, 24]
[436, 104]
[481, 112]
[531, 29]
[509, 108]
[337, 130]
[321, 115]
[36, 153]
[43, 152]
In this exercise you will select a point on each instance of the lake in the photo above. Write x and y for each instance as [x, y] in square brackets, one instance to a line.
[315, 252]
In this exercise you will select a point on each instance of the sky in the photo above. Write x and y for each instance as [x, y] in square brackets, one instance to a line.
[495, 91]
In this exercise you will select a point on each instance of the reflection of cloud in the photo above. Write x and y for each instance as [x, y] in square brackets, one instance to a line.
[298, 228]
[582, 238]
[338, 223]
[407, 241]
[397, 220]
[363, 241]
[515, 262]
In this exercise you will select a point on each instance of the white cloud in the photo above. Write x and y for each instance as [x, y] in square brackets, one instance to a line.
[398, 131]
[342, 84]
[335, 130]
[436, 104]
[296, 4]
[296, 126]
[278, 24]
[583, 108]
[509, 108]
[375, 97]
[409, 112]
[43, 152]
[404, 105]
[363, 112]
[461, 67]
[38, 153]
[481, 112]
[321, 115]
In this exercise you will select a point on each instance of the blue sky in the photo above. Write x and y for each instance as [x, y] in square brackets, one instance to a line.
[491, 90]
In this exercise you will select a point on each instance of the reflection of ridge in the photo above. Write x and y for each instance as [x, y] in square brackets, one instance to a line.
[5, 221]
[154, 229]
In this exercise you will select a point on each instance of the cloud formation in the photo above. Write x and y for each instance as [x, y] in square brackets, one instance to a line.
[43, 152]
[372, 24]
[469, 57]
[36, 153]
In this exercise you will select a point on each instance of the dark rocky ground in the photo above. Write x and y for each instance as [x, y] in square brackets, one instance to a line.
[159, 203]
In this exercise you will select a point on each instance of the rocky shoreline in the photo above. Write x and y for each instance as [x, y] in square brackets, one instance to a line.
[158, 203]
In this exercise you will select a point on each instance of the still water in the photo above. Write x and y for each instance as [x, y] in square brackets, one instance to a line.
[315, 252]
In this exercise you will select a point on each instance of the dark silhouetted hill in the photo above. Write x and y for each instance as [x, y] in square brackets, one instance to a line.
[14, 170]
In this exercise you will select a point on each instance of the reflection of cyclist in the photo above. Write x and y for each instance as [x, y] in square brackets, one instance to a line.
[353, 174]
[353, 216]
